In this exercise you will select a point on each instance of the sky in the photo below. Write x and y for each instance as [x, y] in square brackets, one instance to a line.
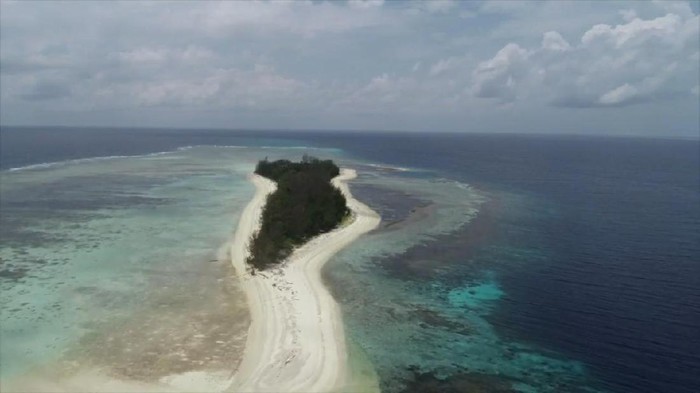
[620, 68]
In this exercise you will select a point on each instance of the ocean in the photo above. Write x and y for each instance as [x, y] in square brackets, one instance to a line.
[527, 263]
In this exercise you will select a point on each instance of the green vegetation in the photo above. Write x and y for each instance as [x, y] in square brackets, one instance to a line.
[304, 205]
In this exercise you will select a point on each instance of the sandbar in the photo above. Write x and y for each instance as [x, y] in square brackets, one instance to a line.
[296, 341]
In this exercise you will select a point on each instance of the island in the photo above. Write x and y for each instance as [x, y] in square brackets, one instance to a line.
[305, 204]
[300, 216]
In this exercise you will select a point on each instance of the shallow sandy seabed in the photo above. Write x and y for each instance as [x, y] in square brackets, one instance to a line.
[295, 342]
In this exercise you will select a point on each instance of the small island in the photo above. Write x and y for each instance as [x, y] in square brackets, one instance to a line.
[296, 340]
[304, 205]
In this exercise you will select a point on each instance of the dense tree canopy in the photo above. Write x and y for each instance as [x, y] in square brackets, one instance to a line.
[304, 205]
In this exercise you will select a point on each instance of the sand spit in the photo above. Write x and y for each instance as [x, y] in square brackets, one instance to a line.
[296, 340]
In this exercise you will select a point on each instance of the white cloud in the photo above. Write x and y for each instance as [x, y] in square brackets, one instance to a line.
[663, 28]
[628, 14]
[618, 95]
[501, 76]
[396, 60]
[681, 8]
[554, 41]
[443, 65]
[635, 61]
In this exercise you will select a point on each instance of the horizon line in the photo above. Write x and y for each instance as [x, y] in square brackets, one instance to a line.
[367, 131]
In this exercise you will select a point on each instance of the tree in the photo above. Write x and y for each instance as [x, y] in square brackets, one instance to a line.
[304, 205]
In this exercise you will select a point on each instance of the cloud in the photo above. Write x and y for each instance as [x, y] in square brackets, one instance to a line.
[612, 65]
[443, 65]
[383, 90]
[45, 90]
[439, 6]
[438, 63]
[628, 14]
[501, 76]
[663, 28]
[261, 87]
[619, 95]
[30, 65]
[503, 6]
[145, 56]
[305, 18]
[365, 3]
[553, 41]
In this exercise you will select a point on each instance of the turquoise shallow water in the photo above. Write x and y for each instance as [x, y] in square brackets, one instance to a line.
[582, 256]
[419, 302]
[474, 296]
[115, 263]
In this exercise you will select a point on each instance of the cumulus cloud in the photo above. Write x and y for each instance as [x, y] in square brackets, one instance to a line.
[502, 76]
[396, 60]
[612, 65]
[553, 41]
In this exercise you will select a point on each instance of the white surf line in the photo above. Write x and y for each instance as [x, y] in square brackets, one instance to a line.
[296, 340]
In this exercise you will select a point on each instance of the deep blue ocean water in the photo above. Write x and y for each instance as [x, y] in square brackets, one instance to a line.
[607, 230]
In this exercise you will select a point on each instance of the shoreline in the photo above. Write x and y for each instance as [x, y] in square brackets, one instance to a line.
[296, 339]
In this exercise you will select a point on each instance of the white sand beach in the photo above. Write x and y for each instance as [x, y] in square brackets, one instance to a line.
[296, 340]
